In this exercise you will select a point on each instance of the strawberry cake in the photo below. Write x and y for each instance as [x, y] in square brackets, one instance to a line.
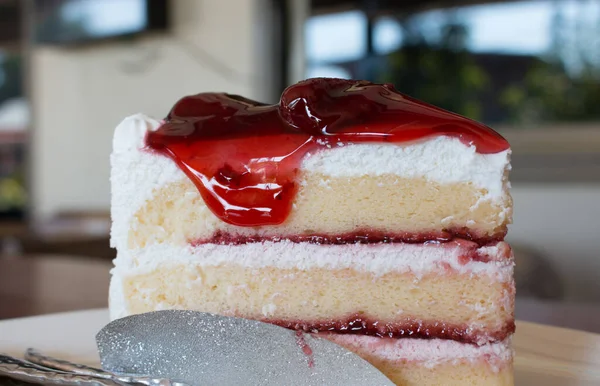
[348, 210]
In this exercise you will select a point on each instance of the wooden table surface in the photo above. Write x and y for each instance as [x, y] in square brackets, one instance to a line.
[42, 284]
[553, 356]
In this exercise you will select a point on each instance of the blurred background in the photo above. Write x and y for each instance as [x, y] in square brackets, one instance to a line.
[70, 70]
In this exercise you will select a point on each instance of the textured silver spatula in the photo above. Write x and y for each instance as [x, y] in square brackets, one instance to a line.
[206, 349]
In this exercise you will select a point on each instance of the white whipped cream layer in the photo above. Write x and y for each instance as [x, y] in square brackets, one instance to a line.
[427, 352]
[441, 159]
[377, 259]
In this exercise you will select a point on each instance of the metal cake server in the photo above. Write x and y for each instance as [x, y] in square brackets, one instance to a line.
[206, 349]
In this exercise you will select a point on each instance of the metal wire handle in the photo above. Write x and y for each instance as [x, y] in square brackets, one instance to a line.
[41, 369]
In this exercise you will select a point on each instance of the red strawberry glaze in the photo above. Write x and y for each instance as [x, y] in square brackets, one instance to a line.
[244, 156]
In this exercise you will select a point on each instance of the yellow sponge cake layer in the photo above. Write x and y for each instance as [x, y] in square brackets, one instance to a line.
[452, 290]
[410, 209]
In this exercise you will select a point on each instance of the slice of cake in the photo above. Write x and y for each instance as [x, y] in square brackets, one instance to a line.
[348, 210]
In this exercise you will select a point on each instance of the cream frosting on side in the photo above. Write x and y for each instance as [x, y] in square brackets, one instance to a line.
[117, 304]
[429, 353]
[135, 174]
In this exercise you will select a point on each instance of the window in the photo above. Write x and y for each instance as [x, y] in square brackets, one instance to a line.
[505, 63]
[336, 37]
[387, 35]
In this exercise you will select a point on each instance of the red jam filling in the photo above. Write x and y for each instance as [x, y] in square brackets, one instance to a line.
[360, 325]
[360, 237]
[244, 156]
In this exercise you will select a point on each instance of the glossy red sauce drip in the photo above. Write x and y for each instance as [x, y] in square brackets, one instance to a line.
[244, 156]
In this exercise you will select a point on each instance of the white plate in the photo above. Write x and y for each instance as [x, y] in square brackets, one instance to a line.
[546, 355]
[70, 335]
